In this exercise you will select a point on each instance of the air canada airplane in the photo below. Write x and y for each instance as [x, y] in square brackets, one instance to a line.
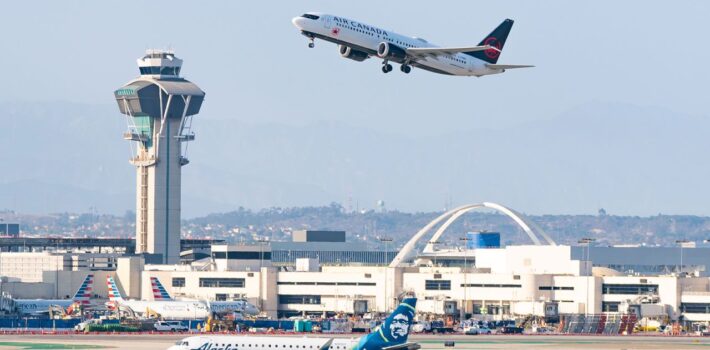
[358, 41]
[391, 335]
[42, 306]
[220, 307]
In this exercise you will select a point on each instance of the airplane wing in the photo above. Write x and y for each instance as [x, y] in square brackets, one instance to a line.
[405, 346]
[508, 66]
[423, 52]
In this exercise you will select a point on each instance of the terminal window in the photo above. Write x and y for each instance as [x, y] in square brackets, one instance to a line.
[222, 282]
[178, 281]
[610, 306]
[555, 288]
[695, 308]
[630, 289]
[437, 284]
[242, 255]
[299, 299]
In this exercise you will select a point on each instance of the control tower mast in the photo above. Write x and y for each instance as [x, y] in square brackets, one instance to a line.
[159, 106]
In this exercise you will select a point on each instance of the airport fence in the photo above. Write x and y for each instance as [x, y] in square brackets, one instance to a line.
[37, 323]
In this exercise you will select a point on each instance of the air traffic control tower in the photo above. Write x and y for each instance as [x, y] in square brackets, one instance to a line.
[159, 106]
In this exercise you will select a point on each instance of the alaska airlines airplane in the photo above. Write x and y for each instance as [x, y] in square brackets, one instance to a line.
[358, 41]
[170, 309]
[219, 307]
[391, 335]
[41, 306]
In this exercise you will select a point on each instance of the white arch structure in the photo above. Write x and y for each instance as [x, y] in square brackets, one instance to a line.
[530, 228]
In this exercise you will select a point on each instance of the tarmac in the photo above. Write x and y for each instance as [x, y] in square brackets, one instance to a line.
[428, 342]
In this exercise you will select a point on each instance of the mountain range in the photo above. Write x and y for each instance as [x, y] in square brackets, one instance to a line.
[630, 160]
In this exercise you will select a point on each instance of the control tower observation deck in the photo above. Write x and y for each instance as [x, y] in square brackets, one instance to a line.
[159, 106]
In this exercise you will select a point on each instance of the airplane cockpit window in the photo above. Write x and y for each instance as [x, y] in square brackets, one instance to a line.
[307, 15]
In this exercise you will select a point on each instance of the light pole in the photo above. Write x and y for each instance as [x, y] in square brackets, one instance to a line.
[587, 241]
[386, 240]
[434, 243]
[465, 273]
[681, 243]
[261, 241]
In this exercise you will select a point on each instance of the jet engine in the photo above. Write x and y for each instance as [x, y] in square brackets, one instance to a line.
[389, 51]
[355, 55]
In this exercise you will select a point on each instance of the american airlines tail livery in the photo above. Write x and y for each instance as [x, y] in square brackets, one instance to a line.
[169, 308]
[359, 41]
[391, 335]
[219, 307]
[42, 306]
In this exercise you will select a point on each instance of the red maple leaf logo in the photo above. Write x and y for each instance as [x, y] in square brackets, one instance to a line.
[335, 31]
[492, 54]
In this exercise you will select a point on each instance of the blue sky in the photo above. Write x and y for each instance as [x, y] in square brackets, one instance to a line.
[256, 68]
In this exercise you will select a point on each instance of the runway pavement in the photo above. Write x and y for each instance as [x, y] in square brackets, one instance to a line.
[160, 341]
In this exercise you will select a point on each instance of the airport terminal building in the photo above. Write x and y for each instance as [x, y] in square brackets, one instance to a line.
[490, 282]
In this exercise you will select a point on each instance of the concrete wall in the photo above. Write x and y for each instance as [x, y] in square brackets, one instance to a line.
[29, 290]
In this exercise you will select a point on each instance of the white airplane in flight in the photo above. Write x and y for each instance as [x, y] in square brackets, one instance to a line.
[42, 306]
[391, 335]
[358, 41]
[220, 307]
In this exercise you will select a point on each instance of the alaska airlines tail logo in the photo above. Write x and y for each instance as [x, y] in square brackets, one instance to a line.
[395, 329]
[399, 327]
[492, 41]
[159, 292]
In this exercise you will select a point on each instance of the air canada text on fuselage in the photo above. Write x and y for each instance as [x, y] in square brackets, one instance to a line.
[360, 25]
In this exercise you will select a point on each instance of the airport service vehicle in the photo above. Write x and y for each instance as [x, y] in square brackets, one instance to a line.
[511, 330]
[391, 335]
[476, 330]
[170, 326]
[85, 324]
[359, 41]
[168, 309]
[219, 307]
[42, 306]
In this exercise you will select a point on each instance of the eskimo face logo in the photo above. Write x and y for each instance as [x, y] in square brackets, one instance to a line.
[490, 53]
[399, 326]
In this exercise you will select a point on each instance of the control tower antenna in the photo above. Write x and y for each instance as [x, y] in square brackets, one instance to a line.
[159, 106]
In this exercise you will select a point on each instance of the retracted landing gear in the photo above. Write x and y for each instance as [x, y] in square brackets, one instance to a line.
[386, 67]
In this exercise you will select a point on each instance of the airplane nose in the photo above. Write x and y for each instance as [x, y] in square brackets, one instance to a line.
[298, 22]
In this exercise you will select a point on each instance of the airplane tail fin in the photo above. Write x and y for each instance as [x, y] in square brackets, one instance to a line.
[496, 39]
[83, 294]
[159, 292]
[394, 331]
[114, 295]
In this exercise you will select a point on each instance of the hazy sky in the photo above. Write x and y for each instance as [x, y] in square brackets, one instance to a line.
[256, 67]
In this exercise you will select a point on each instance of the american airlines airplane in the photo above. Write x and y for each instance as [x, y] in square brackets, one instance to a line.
[391, 335]
[170, 309]
[41, 306]
[220, 307]
[359, 41]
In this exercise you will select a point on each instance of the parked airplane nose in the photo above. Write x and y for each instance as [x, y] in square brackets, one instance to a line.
[298, 22]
